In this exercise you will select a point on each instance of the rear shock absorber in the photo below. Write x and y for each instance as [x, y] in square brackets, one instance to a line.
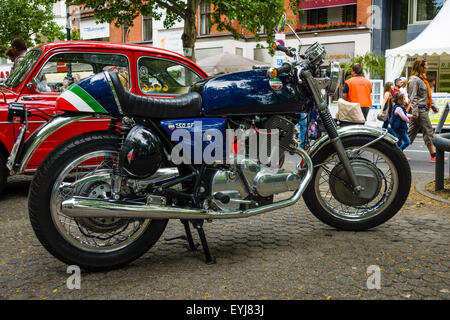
[117, 178]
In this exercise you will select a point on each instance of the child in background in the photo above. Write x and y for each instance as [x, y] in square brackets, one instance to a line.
[399, 119]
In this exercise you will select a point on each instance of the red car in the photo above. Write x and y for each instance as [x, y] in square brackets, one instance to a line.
[48, 70]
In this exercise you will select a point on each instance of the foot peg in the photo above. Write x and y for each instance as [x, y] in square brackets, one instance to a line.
[222, 197]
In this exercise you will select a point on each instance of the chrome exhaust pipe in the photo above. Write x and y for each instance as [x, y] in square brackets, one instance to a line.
[79, 207]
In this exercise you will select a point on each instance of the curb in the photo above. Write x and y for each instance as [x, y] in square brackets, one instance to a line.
[420, 188]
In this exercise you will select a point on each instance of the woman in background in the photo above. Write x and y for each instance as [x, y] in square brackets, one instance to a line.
[419, 92]
[384, 115]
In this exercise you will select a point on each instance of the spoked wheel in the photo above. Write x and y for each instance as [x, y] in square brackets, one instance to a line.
[383, 172]
[81, 167]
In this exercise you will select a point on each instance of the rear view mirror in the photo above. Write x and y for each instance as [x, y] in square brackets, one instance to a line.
[281, 23]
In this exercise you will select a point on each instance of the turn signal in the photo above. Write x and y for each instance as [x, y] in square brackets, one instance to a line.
[272, 73]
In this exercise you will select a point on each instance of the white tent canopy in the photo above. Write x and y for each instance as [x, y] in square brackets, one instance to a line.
[432, 41]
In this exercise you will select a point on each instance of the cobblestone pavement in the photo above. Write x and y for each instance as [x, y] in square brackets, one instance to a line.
[287, 254]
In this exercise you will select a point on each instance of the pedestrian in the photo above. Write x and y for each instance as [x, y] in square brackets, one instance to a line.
[358, 89]
[11, 56]
[433, 85]
[419, 92]
[302, 127]
[399, 119]
[20, 49]
[387, 97]
[403, 88]
[397, 86]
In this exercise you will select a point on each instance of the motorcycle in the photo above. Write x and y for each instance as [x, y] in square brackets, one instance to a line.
[102, 199]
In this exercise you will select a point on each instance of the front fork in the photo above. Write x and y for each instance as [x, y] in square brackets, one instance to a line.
[330, 126]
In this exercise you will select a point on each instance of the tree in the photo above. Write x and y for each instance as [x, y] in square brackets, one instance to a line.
[226, 15]
[374, 65]
[31, 20]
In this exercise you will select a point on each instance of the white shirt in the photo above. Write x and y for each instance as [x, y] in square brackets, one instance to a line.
[405, 92]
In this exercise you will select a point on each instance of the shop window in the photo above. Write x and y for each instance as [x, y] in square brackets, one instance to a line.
[205, 16]
[424, 10]
[399, 15]
[349, 14]
[146, 28]
[317, 16]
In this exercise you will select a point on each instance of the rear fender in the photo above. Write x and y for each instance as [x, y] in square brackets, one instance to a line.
[20, 161]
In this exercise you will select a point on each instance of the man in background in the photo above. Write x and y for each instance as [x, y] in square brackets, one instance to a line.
[358, 90]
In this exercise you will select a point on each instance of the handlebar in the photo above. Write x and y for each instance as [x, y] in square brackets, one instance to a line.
[274, 72]
[289, 51]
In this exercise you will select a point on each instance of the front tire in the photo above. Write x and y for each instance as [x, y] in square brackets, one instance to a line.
[336, 207]
[76, 241]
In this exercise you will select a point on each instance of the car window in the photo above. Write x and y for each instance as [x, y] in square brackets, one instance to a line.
[23, 68]
[157, 76]
[61, 70]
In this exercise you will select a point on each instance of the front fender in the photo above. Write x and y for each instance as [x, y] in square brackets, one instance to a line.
[21, 160]
[349, 131]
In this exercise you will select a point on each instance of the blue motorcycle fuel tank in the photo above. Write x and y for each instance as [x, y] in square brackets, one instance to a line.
[250, 93]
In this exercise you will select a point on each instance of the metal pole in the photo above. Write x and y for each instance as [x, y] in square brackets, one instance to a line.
[68, 22]
[442, 119]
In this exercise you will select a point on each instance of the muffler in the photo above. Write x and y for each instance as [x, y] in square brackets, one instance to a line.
[79, 207]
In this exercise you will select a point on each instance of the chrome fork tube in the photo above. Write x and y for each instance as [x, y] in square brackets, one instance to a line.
[331, 128]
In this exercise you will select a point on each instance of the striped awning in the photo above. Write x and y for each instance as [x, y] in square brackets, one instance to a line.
[314, 4]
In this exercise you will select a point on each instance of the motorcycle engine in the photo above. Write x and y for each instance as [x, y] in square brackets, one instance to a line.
[250, 183]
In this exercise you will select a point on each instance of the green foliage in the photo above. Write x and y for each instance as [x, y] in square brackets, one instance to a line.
[375, 65]
[75, 35]
[31, 20]
[251, 14]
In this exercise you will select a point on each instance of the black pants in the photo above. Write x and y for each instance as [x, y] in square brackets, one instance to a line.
[365, 112]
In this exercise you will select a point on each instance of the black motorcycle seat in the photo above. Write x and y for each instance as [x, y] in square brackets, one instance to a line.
[183, 106]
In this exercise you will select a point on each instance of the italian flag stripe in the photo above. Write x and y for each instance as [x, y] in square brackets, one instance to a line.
[87, 98]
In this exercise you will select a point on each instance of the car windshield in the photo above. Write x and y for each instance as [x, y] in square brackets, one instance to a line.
[23, 68]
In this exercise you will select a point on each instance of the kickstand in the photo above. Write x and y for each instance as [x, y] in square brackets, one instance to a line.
[187, 237]
[198, 224]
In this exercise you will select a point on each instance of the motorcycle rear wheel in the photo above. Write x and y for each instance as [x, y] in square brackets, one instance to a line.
[337, 208]
[91, 243]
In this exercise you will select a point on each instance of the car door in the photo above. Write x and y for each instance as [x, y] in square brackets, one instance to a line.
[60, 70]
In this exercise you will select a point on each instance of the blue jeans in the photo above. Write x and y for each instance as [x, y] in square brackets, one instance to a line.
[302, 128]
[403, 139]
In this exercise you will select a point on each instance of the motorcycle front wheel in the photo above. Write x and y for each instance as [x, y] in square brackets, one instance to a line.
[91, 243]
[383, 172]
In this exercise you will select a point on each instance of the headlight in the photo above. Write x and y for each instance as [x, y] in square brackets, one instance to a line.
[334, 73]
[316, 53]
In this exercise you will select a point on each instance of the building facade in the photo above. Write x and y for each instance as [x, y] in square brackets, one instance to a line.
[401, 21]
[343, 26]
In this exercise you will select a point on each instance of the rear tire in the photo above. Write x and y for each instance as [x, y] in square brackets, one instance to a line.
[47, 228]
[390, 162]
